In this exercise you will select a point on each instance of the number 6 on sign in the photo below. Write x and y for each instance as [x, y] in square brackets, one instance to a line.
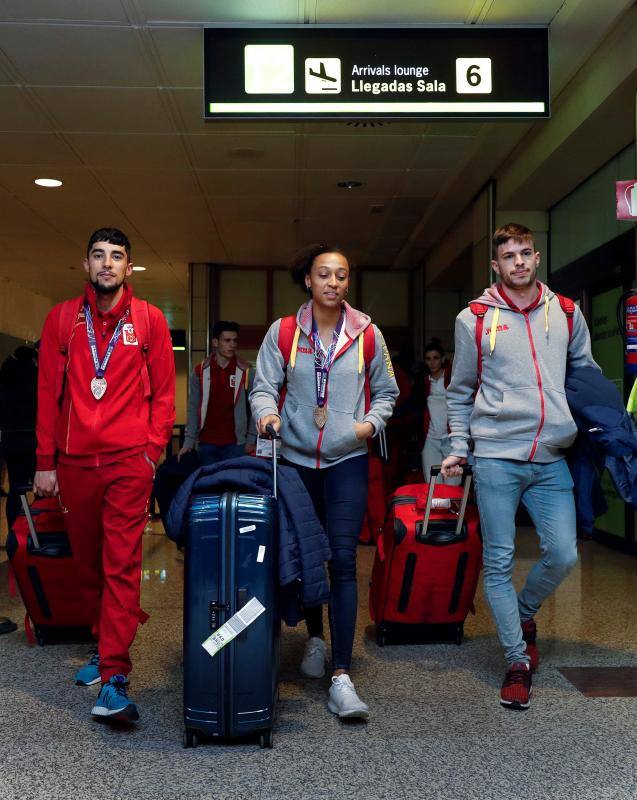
[473, 76]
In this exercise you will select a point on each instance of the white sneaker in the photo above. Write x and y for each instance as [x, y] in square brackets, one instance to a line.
[343, 699]
[314, 658]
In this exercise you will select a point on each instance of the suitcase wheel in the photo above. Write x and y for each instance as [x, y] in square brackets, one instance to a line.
[190, 739]
[459, 634]
[381, 637]
[266, 740]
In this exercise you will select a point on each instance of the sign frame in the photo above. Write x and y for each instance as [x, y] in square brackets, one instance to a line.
[288, 102]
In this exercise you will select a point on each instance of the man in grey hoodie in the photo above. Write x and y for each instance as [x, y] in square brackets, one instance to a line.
[506, 396]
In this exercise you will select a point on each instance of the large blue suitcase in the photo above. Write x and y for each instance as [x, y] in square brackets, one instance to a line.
[231, 557]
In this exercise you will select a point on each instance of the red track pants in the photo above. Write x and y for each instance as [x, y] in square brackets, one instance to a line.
[107, 512]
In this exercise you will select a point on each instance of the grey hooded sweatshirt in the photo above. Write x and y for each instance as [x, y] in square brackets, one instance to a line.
[301, 441]
[520, 410]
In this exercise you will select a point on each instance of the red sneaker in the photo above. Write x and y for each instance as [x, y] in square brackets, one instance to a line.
[516, 689]
[529, 634]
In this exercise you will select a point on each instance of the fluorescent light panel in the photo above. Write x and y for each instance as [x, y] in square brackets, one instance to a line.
[49, 183]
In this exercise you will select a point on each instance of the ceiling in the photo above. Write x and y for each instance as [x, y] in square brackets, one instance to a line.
[106, 95]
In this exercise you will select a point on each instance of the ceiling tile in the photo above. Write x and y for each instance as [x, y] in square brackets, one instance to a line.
[92, 55]
[95, 10]
[250, 183]
[504, 12]
[255, 208]
[442, 152]
[44, 149]
[243, 151]
[19, 112]
[347, 205]
[375, 182]
[112, 110]
[421, 182]
[254, 11]
[181, 53]
[148, 184]
[364, 152]
[406, 11]
[130, 150]
[413, 207]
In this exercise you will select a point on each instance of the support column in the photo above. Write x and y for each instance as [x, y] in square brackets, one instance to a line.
[199, 313]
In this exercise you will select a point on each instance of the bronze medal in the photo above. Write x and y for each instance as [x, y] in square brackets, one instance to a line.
[320, 416]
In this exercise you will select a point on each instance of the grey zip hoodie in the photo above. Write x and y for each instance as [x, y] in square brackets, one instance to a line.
[520, 410]
[302, 442]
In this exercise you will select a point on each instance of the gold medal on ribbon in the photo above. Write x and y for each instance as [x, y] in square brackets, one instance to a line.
[320, 416]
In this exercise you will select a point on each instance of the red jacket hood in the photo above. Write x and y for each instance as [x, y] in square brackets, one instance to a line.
[355, 321]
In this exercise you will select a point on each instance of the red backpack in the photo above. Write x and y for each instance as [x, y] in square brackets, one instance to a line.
[480, 309]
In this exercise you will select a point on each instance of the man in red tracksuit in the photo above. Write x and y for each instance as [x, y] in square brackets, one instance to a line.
[106, 409]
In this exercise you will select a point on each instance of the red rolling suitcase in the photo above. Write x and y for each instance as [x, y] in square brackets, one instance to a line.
[46, 573]
[427, 564]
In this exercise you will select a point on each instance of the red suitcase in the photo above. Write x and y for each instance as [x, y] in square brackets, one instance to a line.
[427, 564]
[46, 573]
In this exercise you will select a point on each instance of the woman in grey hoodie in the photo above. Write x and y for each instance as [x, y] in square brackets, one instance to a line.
[324, 378]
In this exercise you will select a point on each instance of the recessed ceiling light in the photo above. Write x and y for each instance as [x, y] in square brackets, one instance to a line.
[139, 269]
[349, 184]
[50, 183]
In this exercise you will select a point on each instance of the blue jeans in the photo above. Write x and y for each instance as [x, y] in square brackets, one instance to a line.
[339, 495]
[212, 453]
[547, 492]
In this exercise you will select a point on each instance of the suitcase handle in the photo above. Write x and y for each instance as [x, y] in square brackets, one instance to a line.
[271, 430]
[27, 513]
[467, 473]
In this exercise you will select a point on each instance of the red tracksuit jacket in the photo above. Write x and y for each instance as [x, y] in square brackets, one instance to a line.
[130, 418]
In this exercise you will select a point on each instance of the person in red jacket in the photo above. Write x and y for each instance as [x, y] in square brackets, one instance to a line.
[106, 408]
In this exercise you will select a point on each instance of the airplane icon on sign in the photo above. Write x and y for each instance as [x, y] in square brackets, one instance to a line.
[322, 75]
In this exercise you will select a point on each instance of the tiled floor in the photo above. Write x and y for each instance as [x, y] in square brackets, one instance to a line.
[437, 730]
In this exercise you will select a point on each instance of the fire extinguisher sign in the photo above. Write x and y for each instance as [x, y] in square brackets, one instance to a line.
[626, 198]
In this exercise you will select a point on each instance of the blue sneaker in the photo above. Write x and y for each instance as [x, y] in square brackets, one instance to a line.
[89, 673]
[113, 702]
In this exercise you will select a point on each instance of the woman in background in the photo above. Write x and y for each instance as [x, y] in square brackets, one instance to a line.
[436, 431]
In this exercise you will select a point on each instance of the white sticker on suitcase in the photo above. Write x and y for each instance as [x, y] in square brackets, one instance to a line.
[261, 554]
[247, 529]
[233, 627]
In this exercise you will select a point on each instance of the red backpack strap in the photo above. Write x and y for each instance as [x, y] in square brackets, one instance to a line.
[285, 342]
[369, 351]
[69, 312]
[568, 307]
[140, 317]
[479, 310]
[287, 329]
[369, 345]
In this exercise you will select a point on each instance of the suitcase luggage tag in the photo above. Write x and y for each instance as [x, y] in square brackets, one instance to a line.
[441, 537]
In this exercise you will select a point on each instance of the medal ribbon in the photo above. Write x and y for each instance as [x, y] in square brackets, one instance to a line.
[323, 359]
[100, 368]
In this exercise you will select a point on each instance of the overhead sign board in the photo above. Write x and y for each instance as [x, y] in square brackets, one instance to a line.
[314, 72]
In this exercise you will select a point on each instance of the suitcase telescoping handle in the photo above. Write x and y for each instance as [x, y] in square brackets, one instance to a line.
[467, 474]
[29, 518]
[271, 431]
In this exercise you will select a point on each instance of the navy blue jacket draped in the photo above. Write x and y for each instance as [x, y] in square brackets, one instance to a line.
[303, 544]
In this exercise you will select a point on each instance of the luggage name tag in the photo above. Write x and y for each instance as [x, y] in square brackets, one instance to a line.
[233, 627]
[264, 447]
